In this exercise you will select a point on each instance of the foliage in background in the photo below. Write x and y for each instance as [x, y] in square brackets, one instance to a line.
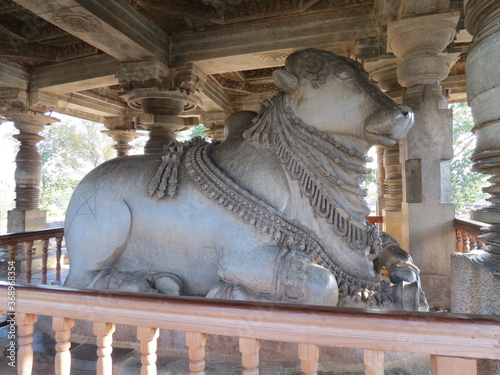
[72, 148]
[466, 186]
[197, 131]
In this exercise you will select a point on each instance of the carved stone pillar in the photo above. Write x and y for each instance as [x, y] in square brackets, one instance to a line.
[27, 214]
[165, 95]
[215, 121]
[483, 92]
[122, 132]
[427, 214]
[383, 71]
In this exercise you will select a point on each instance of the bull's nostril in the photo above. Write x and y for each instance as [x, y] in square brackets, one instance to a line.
[404, 110]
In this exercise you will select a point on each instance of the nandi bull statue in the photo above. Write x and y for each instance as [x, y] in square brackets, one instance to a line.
[274, 213]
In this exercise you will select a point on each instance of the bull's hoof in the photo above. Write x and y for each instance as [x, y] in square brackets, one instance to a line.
[320, 286]
[166, 283]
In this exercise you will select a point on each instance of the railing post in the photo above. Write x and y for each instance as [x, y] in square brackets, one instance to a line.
[453, 366]
[58, 257]
[12, 247]
[28, 251]
[308, 355]
[374, 362]
[26, 327]
[148, 336]
[196, 342]
[249, 349]
[460, 244]
[45, 255]
[104, 339]
[62, 327]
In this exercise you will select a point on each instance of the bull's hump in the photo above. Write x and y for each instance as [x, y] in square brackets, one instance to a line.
[254, 168]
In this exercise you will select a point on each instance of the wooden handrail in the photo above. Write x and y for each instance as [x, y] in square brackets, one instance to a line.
[375, 219]
[12, 240]
[468, 336]
[33, 235]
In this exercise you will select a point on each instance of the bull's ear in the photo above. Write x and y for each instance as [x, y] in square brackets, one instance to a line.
[286, 81]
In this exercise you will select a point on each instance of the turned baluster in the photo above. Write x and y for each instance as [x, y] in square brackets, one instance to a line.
[465, 241]
[28, 250]
[45, 255]
[25, 328]
[374, 362]
[249, 349]
[147, 337]
[473, 241]
[308, 355]
[58, 258]
[104, 340]
[460, 244]
[62, 327]
[196, 342]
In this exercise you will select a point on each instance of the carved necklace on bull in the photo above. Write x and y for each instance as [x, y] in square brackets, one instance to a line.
[314, 158]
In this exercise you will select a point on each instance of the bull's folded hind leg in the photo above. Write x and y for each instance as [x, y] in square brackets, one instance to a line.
[138, 282]
[270, 273]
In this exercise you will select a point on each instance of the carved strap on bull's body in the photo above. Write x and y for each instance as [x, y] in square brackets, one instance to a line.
[285, 232]
[164, 182]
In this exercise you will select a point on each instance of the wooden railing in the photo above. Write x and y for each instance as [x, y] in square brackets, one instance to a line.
[467, 232]
[453, 341]
[14, 240]
[374, 220]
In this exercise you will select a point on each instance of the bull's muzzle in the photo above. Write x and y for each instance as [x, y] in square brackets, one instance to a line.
[389, 126]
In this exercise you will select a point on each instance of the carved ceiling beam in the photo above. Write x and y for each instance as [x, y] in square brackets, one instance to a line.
[29, 51]
[196, 10]
[77, 75]
[114, 26]
[13, 75]
[87, 101]
[266, 44]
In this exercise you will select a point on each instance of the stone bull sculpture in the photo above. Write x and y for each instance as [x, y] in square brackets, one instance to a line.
[276, 212]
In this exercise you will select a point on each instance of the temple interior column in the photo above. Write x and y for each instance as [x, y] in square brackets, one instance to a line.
[475, 276]
[384, 72]
[427, 213]
[165, 96]
[122, 132]
[27, 214]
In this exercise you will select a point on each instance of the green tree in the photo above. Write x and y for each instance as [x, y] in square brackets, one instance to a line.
[466, 186]
[71, 149]
[197, 131]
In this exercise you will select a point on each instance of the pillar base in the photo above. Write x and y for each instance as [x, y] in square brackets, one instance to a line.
[21, 220]
[474, 290]
[429, 235]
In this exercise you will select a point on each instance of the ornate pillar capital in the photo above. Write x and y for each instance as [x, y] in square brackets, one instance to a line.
[419, 42]
[122, 131]
[163, 94]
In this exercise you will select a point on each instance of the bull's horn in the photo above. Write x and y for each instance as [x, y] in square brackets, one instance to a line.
[285, 81]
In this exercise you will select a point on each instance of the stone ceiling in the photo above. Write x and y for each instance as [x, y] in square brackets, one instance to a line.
[69, 52]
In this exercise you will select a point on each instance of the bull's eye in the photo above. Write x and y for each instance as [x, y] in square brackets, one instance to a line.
[343, 74]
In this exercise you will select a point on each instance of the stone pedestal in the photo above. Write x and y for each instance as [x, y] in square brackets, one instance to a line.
[427, 214]
[475, 290]
[24, 220]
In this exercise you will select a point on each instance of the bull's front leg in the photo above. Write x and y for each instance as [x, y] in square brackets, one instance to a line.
[402, 272]
[398, 262]
[268, 273]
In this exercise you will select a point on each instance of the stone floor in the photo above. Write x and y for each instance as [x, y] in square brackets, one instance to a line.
[127, 361]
